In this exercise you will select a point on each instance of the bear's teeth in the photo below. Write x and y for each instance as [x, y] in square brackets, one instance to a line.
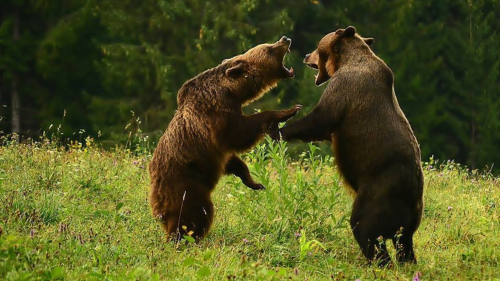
[291, 70]
[288, 51]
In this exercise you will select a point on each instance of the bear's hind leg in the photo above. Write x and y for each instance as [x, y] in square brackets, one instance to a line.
[165, 214]
[169, 224]
[192, 216]
[373, 249]
[404, 249]
[368, 232]
[196, 217]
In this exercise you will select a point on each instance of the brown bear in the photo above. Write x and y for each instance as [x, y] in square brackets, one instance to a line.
[206, 133]
[375, 149]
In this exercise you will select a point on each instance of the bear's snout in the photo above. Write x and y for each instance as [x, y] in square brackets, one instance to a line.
[285, 39]
[311, 61]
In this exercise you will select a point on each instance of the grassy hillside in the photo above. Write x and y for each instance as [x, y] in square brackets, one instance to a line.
[81, 213]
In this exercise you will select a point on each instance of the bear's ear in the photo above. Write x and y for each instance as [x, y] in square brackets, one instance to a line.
[369, 41]
[349, 31]
[236, 70]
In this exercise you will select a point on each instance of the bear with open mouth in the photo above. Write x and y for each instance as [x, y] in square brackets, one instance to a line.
[207, 132]
[375, 149]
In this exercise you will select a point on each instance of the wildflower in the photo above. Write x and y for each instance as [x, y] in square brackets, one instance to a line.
[32, 233]
[135, 162]
[245, 240]
[418, 274]
[297, 234]
[296, 271]
[449, 208]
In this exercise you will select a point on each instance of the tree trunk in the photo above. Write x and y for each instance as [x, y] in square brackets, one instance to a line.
[473, 152]
[16, 118]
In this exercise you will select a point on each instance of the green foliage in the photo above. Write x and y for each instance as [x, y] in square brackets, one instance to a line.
[77, 212]
[87, 64]
[443, 66]
[306, 246]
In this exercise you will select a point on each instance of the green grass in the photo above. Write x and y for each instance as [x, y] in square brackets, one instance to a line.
[78, 213]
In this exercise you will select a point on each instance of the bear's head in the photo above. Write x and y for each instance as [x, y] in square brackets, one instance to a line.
[326, 57]
[258, 70]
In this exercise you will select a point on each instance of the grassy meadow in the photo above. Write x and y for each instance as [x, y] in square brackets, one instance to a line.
[77, 212]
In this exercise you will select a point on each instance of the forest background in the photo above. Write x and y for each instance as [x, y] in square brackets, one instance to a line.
[105, 68]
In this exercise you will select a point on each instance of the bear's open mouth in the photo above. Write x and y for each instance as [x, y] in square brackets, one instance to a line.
[286, 42]
[312, 65]
[290, 71]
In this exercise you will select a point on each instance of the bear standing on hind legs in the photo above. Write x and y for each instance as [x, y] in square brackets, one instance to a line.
[375, 149]
[206, 133]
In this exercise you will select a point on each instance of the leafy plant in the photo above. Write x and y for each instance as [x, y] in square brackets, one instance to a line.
[306, 246]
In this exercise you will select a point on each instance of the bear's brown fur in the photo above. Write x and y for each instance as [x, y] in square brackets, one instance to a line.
[375, 149]
[206, 132]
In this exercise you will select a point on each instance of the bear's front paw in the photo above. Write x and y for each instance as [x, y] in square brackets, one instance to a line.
[289, 113]
[257, 186]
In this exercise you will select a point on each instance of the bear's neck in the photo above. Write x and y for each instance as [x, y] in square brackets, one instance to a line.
[214, 89]
[353, 54]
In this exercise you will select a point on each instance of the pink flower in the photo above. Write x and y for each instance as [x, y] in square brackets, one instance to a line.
[449, 208]
[245, 240]
[418, 274]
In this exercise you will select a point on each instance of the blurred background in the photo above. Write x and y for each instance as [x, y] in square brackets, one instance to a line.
[104, 68]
